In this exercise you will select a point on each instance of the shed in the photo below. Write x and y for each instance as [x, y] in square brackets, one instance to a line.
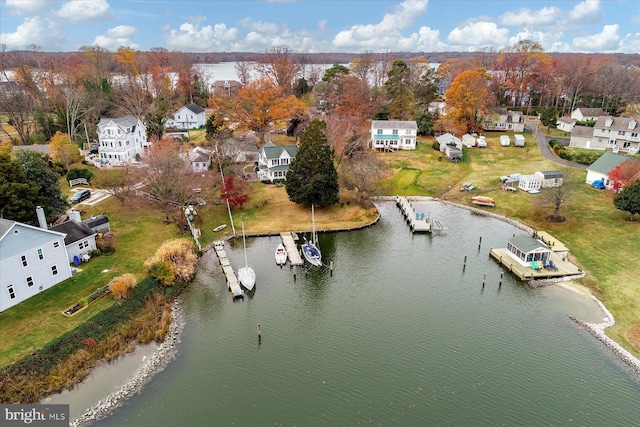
[550, 179]
[518, 140]
[524, 249]
[530, 182]
[98, 223]
[505, 141]
[453, 153]
[469, 140]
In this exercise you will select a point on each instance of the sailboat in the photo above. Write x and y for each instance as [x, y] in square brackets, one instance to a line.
[246, 275]
[309, 248]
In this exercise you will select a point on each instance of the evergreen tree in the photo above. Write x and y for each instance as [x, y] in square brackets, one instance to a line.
[548, 117]
[312, 177]
[399, 91]
[628, 199]
[18, 195]
[38, 170]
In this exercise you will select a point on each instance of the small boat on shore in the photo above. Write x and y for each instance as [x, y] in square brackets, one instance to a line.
[220, 227]
[281, 255]
[483, 201]
[467, 186]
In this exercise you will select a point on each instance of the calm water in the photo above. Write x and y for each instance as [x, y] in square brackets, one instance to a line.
[399, 335]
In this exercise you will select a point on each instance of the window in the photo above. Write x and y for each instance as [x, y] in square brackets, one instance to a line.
[408, 132]
[12, 293]
[285, 161]
[24, 260]
[621, 132]
[29, 281]
[395, 131]
[56, 244]
[83, 245]
[40, 254]
[54, 270]
[379, 132]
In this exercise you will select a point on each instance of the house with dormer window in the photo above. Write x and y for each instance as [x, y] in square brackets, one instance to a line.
[191, 116]
[32, 260]
[502, 119]
[617, 134]
[121, 140]
[392, 135]
[274, 161]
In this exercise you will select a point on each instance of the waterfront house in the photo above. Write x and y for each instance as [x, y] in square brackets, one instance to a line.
[392, 135]
[599, 170]
[32, 259]
[530, 182]
[190, 116]
[79, 239]
[273, 161]
[502, 119]
[121, 140]
[524, 249]
[225, 87]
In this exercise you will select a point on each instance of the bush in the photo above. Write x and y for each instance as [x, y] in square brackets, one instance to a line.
[180, 257]
[436, 145]
[121, 286]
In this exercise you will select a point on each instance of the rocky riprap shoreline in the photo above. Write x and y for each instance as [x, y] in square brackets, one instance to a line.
[597, 330]
[159, 360]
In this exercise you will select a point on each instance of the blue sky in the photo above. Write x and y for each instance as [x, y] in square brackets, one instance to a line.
[322, 25]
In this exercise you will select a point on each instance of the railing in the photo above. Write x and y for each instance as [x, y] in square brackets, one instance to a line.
[78, 181]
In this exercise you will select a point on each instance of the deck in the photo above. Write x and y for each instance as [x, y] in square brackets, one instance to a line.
[526, 273]
[418, 221]
[292, 249]
[232, 280]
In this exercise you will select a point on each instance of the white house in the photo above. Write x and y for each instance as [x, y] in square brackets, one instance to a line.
[450, 140]
[31, 260]
[503, 119]
[121, 140]
[79, 239]
[199, 159]
[273, 161]
[530, 182]
[599, 170]
[584, 114]
[565, 124]
[618, 134]
[438, 108]
[392, 135]
[191, 116]
[524, 249]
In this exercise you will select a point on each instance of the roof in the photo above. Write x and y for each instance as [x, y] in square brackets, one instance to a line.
[75, 231]
[95, 221]
[606, 162]
[618, 123]
[582, 131]
[40, 148]
[26, 237]
[195, 108]
[446, 138]
[527, 244]
[552, 174]
[126, 121]
[591, 112]
[567, 120]
[272, 151]
[394, 124]
[199, 154]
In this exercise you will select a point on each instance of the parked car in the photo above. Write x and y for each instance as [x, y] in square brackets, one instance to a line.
[80, 196]
[94, 150]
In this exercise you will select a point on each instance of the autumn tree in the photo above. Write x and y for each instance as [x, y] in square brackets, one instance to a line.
[347, 95]
[20, 109]
[234, 190]
[63, 150]
[468, 98]
[625, 173]
[346, 135]
[361, 172]
[560, 195]
[257, 106]
[516, 63]
[179, 255]
[280, 66]
[628, 199]
[312, 177]
[122, 285]
[243, 71]
[363, 67]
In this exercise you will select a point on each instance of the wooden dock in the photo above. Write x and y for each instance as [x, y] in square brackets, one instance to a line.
[292, 249]
[526, 273]
[418, 222]
[232, 280]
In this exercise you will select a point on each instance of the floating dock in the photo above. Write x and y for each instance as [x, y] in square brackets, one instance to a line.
[232, 280]
[419, 222]
[292, 249]
[526, 273]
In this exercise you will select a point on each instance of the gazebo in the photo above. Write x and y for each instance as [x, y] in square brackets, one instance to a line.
[524, 249]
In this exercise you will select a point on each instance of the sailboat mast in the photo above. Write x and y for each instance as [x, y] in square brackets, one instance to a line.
[313, 225]
[244, 243]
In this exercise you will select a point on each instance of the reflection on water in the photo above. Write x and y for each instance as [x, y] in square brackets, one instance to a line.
[398, 334]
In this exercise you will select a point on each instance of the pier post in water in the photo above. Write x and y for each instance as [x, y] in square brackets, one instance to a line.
[500, 283]
[259, 333]
[465, 263]
[480, 243]
[331, 267]
[484, 279]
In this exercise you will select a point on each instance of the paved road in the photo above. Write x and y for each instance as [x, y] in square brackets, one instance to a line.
[543, 143]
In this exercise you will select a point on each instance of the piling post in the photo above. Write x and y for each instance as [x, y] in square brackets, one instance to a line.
[295, 269]
[465, 263]
[259, 333]
[484, 279]
[331, 267]
[500, 283]
[480, 243]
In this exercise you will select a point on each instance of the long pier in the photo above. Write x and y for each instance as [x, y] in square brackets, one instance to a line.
[292, 249]
[232, 280]
[418, 222]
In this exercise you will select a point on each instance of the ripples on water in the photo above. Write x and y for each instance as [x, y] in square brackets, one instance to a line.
[399, 334]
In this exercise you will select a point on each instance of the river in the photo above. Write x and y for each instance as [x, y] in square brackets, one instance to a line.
[398, 334]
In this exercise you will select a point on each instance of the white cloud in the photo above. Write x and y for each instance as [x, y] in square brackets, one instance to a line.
[586, 12]
[82, 10]
[386, 33]
[547, 39]
[194, 38]
[28, 7]
[116, 37]
[260, 27]
[606, 41]
[42, 32]
[525, 16]
[478, 34]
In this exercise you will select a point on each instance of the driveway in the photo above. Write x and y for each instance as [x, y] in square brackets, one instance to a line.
[543, 143]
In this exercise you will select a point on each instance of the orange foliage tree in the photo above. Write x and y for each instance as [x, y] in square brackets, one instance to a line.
[257, 106]
[625, 173]
[468, 97]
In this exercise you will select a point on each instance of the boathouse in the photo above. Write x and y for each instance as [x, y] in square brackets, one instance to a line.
[524, 249]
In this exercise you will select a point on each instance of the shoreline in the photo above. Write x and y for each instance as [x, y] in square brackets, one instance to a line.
[167, 351]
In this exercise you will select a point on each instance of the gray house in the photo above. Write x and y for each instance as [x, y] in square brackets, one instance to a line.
[273, 161]
[524, 249]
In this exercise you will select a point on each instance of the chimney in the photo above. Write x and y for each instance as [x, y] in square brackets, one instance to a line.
[42, 220]
[74, 216]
